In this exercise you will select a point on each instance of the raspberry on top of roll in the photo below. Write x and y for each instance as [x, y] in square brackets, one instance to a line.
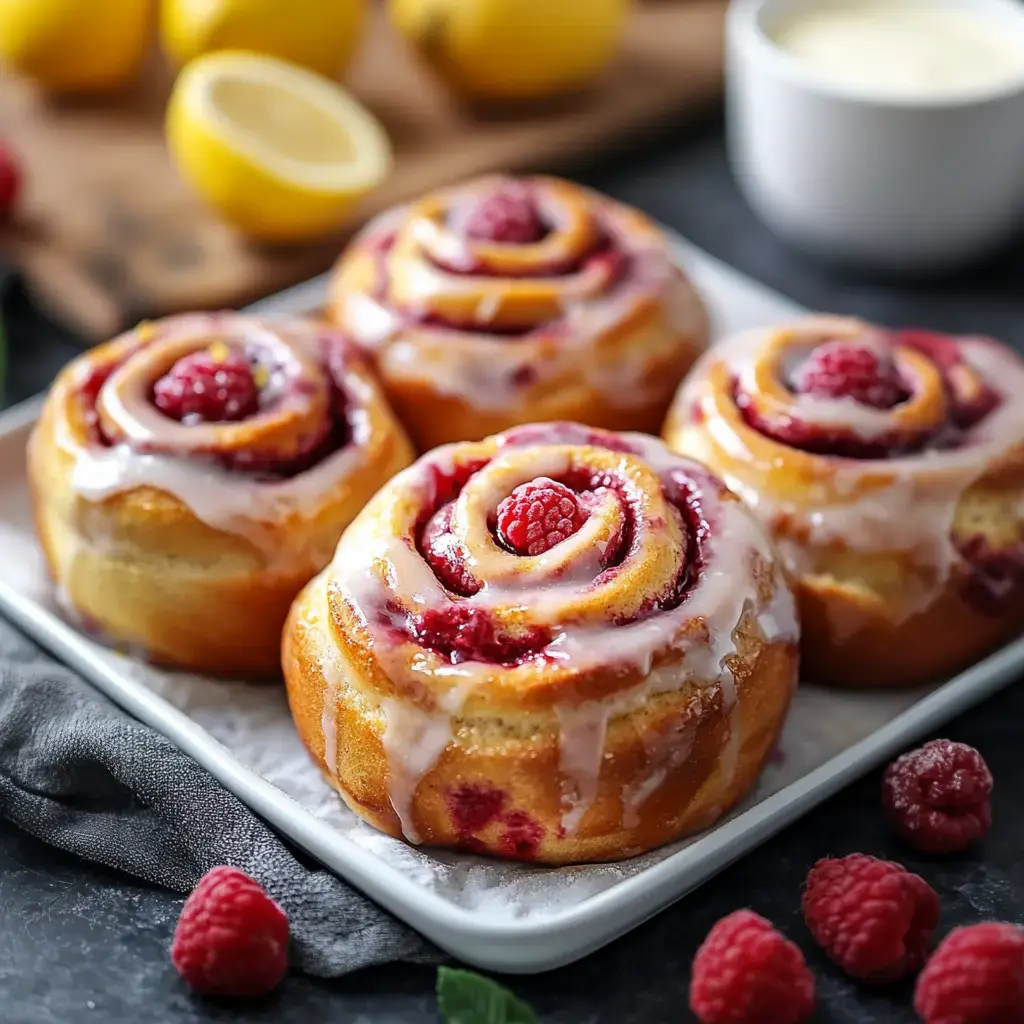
[889, 467]
[506, 300]
[192, 474]
[558, 644]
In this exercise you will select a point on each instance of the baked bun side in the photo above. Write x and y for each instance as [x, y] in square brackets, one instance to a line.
[187, 539]
[504, 301]
[888, 467]
[606, 695]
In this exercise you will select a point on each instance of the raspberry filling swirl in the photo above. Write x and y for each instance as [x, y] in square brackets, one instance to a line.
[237, 416]
[847, 436]
[494, 287]
[861, 392]
[591, 569]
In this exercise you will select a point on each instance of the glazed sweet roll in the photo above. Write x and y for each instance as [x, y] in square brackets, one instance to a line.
[507, 301]
[557, 644]
[191, 475]
[889, 467]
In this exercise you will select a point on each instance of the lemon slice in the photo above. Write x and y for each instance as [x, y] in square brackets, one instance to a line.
[280, 152]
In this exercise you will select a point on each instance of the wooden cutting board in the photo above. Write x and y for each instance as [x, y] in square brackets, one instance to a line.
[109, 235]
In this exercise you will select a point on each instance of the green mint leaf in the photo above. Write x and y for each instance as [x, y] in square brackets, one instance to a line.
[465, 997]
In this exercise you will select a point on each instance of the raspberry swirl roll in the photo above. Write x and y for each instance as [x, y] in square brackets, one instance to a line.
[889, 467]
[190, 476]
[508, 301]
[557, 644]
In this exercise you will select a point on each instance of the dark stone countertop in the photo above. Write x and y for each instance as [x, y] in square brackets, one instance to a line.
[79, 945]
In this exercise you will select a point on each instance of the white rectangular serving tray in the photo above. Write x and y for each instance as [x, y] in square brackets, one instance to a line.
[505, 917]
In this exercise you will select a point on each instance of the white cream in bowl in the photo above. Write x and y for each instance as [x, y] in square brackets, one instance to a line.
[882, 132]
[894, 49]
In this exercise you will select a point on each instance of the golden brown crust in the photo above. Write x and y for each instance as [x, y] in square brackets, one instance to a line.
[877, 650]
[876, 547]
[605, 354]
[679, 747]
[525, 770]
[139, 564]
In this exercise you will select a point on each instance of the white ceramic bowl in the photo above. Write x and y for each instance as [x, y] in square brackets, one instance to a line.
[917, 185]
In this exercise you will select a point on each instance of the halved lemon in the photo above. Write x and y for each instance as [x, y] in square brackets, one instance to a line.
[280, 152]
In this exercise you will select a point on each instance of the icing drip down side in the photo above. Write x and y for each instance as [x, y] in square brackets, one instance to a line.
[651, 567]
[292, 421]
[887, 432]
[488, 290]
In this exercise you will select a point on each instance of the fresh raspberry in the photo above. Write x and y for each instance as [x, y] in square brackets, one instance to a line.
[10, 182]
[976, 976]
[231, 938]
[509, 216]
[464, 633]
[208, 387]
[842, 369]
[445, 554]
[748, 973]
[937, 797]
[538, 515]
[872, 917]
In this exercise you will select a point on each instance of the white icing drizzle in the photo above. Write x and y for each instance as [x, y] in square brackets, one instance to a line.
[231, 501]
[667, 750]
[223, 500]
[413, 741]
[371, 322]
[329, 715]
[487, 309]
[729, 757]
[316, 616]
[719, 599]
[486, 370]
[866, 423]
[862, 421]
[581, 741]
[912, 513]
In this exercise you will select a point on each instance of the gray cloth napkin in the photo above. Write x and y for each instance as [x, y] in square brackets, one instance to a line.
[78, 773]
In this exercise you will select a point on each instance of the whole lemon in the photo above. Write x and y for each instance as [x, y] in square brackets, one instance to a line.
[75, 45]
[318, 34]
[513, 49]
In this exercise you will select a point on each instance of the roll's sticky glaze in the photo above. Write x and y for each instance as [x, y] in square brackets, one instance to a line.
[507, 301]
[613, 691]
[191, 475]
[888, 466]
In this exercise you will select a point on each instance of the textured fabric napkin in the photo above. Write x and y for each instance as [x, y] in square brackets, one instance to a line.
[78, 773]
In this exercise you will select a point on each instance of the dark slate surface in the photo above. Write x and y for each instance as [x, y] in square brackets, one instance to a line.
[83, 945]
